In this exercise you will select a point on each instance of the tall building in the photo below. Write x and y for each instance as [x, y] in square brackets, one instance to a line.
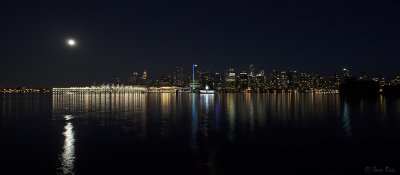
[196, 80]
[380, 79]
[252, 72]
[187, 81]
[346, 74]
[260, 80]
[274, 80]
[305, 83]
[252, 77]
[143, 78]
[283, 80]
[144, 75]
[396, 80]
[243, 80]
[230, 79]
[138, 78]
[177, 76]
[293, 80]
[218, 81]
[320, 83]
[206, 79]
[334, 82]
[135, 79]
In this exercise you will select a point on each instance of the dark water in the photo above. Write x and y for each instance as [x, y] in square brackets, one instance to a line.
[162, 133]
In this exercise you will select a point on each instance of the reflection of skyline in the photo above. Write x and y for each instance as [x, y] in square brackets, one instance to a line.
[209, 112]
[203, 122]
[166, 113]
[382, 109]
[346, 119]
[24, 104]
[193, 133]
[99, 104]
[127, 109]
[260, 110]
[231, 110]
[207, 107]
[280, 106]
[250, 102]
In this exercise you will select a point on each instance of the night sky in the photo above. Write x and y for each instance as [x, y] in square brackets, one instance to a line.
[115, 39]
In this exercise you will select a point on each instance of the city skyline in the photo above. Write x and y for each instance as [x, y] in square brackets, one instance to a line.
[58, 44]
[136, 77]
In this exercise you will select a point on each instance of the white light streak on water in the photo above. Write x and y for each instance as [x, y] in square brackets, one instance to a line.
[68, 154]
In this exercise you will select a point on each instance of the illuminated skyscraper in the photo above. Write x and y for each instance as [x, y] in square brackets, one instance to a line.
[320, 82]
[380, 79]
[138, 78]
[305, 83]
[260, 80]
[334, 82]
[243, 80]
[135, 79]
[206, 79]
[396, 80]
[230, 79]
[177, 76]
[293, 80]
[283, 80]
[144, 76]
[251, 71]
[346, 74]
[274, 80]
[218, 80]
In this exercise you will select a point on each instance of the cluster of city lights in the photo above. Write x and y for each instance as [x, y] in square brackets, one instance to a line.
[11, 90]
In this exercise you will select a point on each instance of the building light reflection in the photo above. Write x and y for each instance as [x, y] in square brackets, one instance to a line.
[193, 125]
[346, 119]
[231, 108]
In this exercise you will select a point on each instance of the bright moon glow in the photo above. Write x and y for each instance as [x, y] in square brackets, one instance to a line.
[71, 42]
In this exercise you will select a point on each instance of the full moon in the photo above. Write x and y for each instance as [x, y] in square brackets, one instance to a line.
[71, 42]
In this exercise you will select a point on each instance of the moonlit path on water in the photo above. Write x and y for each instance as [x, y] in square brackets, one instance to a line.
[68, 154]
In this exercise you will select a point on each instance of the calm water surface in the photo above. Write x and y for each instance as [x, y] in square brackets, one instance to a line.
[164, 133]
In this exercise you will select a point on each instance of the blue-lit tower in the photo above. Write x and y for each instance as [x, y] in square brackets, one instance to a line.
[194, 65]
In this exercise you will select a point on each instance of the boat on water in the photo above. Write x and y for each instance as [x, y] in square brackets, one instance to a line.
[207, 91]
